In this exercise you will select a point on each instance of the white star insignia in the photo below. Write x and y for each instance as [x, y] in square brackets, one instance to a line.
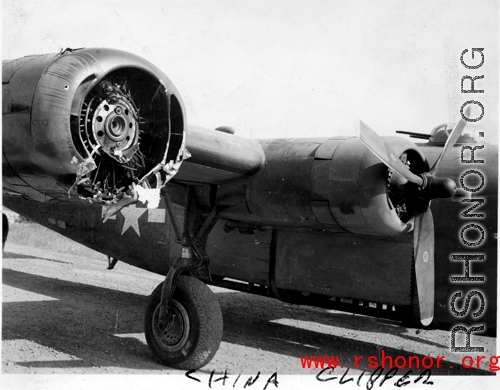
[132, 215]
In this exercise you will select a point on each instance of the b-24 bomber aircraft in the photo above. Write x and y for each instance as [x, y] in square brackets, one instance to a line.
[97, 148]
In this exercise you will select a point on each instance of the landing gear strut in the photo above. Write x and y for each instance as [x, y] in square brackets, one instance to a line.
[183, 322]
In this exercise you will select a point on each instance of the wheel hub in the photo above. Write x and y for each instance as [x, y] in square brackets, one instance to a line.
[176, 332]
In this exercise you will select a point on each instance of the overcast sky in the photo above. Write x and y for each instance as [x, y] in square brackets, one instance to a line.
[287, 68]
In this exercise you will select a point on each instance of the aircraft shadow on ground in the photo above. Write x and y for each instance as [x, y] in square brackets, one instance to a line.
[12, 255]
[271, 309]
[70, 324]
[296, 341]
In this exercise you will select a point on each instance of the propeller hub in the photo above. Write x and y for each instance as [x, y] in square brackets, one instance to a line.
[437, 187]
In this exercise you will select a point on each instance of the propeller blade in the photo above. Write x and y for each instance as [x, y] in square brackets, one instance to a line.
[452, 138]
[384, 152]
[423, 242]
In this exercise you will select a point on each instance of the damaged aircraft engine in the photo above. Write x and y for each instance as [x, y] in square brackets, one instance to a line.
[97, 124]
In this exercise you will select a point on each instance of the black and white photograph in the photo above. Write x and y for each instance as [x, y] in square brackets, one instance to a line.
[249, 194]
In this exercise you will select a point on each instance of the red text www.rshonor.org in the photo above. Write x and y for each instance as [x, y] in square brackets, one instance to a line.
[374, 361]
[388, 361]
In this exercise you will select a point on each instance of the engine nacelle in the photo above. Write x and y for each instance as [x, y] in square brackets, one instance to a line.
[93, 122]
[335, 184]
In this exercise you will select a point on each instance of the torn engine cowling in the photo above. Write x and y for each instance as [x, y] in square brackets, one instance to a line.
[96, 124]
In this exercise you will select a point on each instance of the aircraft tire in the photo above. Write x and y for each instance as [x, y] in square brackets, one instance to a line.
[195, 335]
